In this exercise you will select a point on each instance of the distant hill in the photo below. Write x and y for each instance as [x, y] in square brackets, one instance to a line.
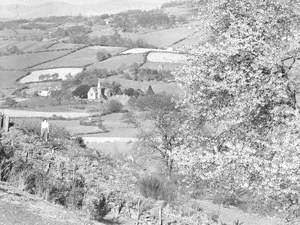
[26, 9]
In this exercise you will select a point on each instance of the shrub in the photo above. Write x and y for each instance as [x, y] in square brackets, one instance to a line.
[154, 102]
[81, 91]
[98, 207]
[102, 55]
[112, 106]
[10, 102]
[153, 187]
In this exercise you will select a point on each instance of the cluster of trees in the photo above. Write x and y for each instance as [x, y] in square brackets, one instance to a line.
[72, 32]
[54, 76]
[237, 128]
[109, 40]
[12, 24]
[146, 74]
[102, 55]
[131, 20]
[90, 77]
[39, 26]
[117, 40]
[11, 50]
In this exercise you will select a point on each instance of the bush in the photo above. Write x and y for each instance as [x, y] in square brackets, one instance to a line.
[153, 187]
[98, 207]
[10, 102]
[81, 91]
[112, 106]
[154, 102]
[102, 55]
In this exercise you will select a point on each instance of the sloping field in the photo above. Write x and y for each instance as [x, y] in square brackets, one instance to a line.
[26, 46]
[8, 80]
[182, 10]
[166, 57]
[161, 66]
[200, 37]
[141, 50]
[63, 73]
[157, 86]
[163, 38]
[101, 30]
[119, 62]
[58, 46]
[23, 61]
[81, 57]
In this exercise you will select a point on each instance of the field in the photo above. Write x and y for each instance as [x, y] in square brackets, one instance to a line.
[157, 86]
[161, 66]
[166, 57]
[8, 80]
[142, 50]
[200, 37]
[23, 61]
[62, 74]
[60, 45]
[183, 11]
[26, 46]
[80, 58]
[101, 30]
[163, 38]
[119, 61]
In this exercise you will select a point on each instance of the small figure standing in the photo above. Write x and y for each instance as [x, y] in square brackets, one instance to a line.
[45, 130]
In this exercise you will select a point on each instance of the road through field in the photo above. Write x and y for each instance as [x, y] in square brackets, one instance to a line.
[36, 114]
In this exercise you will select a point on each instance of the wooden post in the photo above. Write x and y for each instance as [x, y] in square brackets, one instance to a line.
[139, 212]
[160, 219]
[1, 121]
[6, 123]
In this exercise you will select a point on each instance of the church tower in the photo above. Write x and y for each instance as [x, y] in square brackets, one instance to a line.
[99, 89]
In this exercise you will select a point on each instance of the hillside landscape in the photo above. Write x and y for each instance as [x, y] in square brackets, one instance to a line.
[150, 112]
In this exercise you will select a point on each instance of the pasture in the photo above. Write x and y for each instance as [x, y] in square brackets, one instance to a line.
[63, 73]
[81, 57]
[161, 66]
[8, 80]
[101, 30]
[141, 50]
[26, 46]
[119, 62]
[23, 61]
[166, 57]
[162, 38]
[61, 45]
[200, 37]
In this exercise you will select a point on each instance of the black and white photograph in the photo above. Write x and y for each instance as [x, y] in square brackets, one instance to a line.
[149, 112]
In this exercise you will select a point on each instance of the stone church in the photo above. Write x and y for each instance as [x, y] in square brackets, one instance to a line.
[99, 92]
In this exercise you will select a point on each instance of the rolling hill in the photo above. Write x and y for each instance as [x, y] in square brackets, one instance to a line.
[33, 9]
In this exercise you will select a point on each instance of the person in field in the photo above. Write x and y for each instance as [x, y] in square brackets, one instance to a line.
[45, 130]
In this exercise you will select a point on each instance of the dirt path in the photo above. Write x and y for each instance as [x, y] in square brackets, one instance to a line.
[27, 113]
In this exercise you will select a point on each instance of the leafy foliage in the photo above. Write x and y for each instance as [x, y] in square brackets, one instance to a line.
[239, 86]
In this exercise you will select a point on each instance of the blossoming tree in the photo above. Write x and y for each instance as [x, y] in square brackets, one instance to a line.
[239, 86]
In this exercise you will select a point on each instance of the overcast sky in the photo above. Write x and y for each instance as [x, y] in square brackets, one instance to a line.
[31, 2]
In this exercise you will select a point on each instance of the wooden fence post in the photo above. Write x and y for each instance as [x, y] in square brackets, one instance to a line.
[1, 121]
[160, 219]
[6, 123]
